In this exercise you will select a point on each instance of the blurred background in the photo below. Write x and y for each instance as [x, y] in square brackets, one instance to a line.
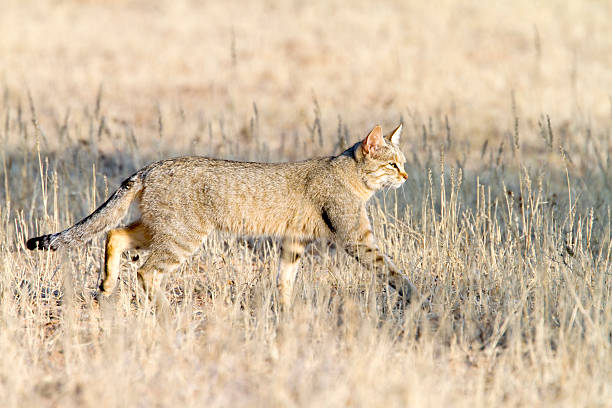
[504, 221]
[477, 72]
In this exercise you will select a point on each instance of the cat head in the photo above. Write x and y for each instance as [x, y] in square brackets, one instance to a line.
[380, 159]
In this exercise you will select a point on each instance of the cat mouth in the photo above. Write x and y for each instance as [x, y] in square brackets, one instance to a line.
[399, 183]
[394, 184]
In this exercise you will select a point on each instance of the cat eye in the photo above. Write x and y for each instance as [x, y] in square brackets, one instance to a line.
[395, 166]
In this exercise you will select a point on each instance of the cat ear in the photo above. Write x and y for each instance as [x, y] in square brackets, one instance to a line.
[394, 137]
[373, 140]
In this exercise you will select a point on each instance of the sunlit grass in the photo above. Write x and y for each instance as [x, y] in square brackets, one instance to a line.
[504, 222]
[515, 262]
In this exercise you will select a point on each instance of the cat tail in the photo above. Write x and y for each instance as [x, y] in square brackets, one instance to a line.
[102, 219]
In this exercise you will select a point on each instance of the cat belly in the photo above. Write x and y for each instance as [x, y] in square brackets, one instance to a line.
[285, 222]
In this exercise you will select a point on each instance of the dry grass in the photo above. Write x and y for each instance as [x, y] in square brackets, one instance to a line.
[504, 222]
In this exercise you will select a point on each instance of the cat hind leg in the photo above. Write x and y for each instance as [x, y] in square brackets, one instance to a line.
[118, 241]
[291, 252]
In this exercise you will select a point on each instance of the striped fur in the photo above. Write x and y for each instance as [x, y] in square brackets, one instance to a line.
[182, 200]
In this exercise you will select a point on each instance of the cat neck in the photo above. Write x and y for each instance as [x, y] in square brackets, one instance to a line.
[350, 174]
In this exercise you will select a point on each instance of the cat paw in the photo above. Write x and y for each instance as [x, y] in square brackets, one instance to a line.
[407, 293]
[101, 294]
[404, 289]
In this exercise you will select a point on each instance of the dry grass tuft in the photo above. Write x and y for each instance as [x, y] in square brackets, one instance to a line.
[504, 222]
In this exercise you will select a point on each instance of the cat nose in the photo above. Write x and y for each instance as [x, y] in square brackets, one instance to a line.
[404, 175]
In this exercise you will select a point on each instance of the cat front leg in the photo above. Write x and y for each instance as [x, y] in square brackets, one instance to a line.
[291, 252]
[398, 281]
[367, 253]
[351, 228]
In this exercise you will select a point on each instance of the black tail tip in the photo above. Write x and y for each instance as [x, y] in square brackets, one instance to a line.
[43, 242]
[31, 244]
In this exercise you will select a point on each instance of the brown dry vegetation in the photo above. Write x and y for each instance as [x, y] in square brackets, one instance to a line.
[504, 222]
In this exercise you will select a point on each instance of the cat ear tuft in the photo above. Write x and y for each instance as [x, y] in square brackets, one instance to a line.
[394, 137]
[373, 140]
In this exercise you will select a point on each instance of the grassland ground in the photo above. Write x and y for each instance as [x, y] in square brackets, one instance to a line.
[504, 222]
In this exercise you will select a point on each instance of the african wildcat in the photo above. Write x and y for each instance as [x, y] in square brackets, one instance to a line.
[182, 200]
